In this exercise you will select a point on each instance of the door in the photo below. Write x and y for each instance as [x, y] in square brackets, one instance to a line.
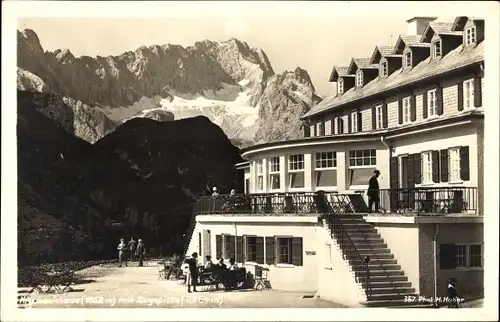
[407, 182]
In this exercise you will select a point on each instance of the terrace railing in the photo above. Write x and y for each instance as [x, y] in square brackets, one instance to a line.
[430, 200]
[271, 203]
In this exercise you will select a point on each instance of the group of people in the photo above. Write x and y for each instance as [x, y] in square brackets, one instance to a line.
[215, 192]
[134, 249]
[209, 266]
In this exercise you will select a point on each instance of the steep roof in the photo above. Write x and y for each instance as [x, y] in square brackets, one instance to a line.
[385, 51]
[337, 72]
[408, 40]
[459, 23]
[360, 63]
[439, 28]
[457, 58]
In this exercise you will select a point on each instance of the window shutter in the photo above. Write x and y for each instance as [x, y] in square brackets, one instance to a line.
[218, 246]
[360, 121]
[206, 243]
[313, 130]
[297, 251]
[334, 125]
[417, 168]
[307, 131]
[385, 116]
[400, 111]
[460, 96]
[439, 100]
[435, 166]
[411, 167]
[424, 109]
[477, 92]
[444, 165]
[341, 125]
[447, 256]
[240, 255]
[270, 256]
[413, 108]
[464, 163]
[349, 124]
[260, 250]
[374, 118]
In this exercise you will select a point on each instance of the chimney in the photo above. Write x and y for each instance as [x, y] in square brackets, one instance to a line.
[417, 25]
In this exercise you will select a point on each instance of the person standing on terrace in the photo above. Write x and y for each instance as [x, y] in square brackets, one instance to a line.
[215, 193]
[373, 192]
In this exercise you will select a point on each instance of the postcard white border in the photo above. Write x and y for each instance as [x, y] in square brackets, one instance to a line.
[12, 10]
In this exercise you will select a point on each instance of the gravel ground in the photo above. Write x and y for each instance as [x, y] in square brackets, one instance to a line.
[108, 286]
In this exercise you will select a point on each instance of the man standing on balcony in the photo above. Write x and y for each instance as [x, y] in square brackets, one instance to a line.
[373, 192]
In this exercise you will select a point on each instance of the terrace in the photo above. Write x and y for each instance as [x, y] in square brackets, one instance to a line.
[410, 202]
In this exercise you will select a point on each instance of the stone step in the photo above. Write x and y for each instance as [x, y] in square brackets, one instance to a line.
[392, 290]
[387, 284]
[379, 272]
[356, 225]
[369, 244]
[384, 278]
[374, 261]
[372, 238]
[349, 216]
[373, 251]
[363, 234]
[376, 266]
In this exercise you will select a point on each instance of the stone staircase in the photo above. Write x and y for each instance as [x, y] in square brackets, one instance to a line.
[389, 285]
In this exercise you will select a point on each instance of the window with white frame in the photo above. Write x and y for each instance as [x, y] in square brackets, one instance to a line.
[427, 167]
[431, 103]
[436, 48]
[454, 164]
[379, 117]
[469, 94]
[406, 110]
[284, 250]
[359, 78]
[325, 171]
[274, 173]
[296, 171]
[260, 174]
[341, 86]
[384, 71]
[470, 35]
[407, 59]
[361, 166]
[354, 122]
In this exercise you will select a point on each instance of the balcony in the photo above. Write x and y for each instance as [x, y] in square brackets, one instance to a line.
[412, 202]
[429, 201]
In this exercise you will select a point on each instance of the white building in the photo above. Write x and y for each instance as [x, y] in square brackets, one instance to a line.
[413, 111]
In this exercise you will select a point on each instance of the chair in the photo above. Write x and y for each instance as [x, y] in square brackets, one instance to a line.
[162, 270]
[457, 204]
[261, 278]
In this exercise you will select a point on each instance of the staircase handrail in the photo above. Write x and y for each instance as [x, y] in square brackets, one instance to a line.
[351, 244]
[192, 222]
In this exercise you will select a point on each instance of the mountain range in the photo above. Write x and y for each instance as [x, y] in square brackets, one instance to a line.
[229, 82]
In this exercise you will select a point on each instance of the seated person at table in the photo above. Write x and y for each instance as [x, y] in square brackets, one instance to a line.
[208, 263]
[232, 265]
[221, 263]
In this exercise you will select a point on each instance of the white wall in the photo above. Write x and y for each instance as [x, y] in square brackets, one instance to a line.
[336, 280]
[282, 277]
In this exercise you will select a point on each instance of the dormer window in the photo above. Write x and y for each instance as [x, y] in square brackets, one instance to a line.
[341, 86]
[407, 59]
[436, 49]
[383, 69]
[359, 78]
[470, 36]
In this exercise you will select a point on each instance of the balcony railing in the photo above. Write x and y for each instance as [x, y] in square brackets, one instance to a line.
[273, 203]
[423, 200]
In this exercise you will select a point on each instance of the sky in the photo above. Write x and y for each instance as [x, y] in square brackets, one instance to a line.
[313, 43]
